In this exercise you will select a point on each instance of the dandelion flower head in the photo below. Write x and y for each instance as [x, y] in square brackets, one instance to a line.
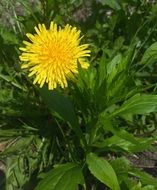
[53, 54]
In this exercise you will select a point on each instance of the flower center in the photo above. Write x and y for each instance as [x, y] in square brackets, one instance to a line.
[58, 53]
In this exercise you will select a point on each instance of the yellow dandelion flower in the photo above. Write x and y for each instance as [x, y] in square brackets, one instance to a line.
[53, 54]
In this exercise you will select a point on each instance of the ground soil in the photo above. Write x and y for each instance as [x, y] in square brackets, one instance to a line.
[147, 161]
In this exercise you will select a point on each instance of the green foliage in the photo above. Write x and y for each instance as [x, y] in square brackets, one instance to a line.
[149, 56]
[102, 170]
[81, 137]
[137, 104]
[113, 4]
[62, 177]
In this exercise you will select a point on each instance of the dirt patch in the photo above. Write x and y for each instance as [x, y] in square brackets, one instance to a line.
[147, 161]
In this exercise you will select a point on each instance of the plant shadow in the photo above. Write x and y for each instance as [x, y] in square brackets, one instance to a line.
[2, 180]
